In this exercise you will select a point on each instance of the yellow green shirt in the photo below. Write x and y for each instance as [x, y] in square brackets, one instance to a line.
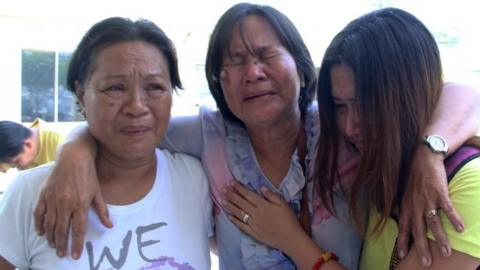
[464, 189]
[48, 141]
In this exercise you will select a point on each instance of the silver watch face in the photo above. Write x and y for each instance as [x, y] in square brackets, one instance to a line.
[437, 143]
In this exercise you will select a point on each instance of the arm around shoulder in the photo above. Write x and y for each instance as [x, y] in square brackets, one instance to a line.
[457, 116]
[464, 189]
[70, 190]
[457, 260]
[184, 135]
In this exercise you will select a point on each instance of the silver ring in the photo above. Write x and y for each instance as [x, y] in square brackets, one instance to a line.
[245, 218]
[431, 213]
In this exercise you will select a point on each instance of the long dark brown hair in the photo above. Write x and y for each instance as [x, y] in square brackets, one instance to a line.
[398, 81]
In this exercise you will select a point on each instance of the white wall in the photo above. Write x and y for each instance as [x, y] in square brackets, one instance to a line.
[10, 70]
[57, 25]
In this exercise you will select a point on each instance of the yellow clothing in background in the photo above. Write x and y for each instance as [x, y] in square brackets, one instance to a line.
[48, 141]
[4, 167]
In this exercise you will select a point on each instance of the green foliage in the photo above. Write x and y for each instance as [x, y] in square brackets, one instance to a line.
[37, 69]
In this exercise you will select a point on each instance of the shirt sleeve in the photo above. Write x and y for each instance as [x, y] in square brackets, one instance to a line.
[464, 191]
[207, 201]
[15, 219]
[49, 139]
[184, 135]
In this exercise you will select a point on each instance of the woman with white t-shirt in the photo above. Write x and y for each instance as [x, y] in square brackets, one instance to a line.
[123, 74]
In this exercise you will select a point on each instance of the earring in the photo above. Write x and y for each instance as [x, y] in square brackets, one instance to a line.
[81, 109]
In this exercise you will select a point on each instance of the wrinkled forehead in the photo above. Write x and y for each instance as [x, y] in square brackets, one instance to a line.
[137, 53]
[250, 32]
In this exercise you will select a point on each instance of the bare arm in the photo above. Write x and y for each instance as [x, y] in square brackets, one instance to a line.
[273, 223]
[5, 265]
[184, 135]
[70, 190]
[456, 118]
[73, 185]
[456, 260]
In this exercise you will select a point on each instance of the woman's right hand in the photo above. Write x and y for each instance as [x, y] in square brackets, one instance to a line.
[272, 222]
[70, 190]
[270, 218]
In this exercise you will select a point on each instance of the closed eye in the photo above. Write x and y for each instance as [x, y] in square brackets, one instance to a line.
[114, 90]
[234, 60]
[268, 52]
[115, 87]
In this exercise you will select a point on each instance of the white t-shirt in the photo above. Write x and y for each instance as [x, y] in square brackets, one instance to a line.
[167, 229]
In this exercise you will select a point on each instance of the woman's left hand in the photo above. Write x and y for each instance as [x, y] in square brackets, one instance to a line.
[426, 193]
[270, 219]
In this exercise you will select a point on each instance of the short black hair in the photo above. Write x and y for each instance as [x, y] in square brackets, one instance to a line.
[12, 138]
[115, 30]
[286, 32]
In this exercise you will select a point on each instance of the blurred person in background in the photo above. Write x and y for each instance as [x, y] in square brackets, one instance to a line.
[27, 147]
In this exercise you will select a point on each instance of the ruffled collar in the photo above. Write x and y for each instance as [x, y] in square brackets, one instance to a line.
[246, 169]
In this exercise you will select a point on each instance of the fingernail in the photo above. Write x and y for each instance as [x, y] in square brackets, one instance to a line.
[60, 253]
[75, 255]
[460, 228]
[424, 261]
[401, 254]
[445, 252]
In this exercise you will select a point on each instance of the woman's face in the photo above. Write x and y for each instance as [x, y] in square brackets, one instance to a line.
[263, 88]
[345, 102]
[127, 99]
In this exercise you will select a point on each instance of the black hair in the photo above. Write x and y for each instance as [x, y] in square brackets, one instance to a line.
[115, 30]
[12, 138]
[286, 32]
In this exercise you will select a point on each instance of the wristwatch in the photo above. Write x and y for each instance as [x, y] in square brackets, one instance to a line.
[437, 144]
